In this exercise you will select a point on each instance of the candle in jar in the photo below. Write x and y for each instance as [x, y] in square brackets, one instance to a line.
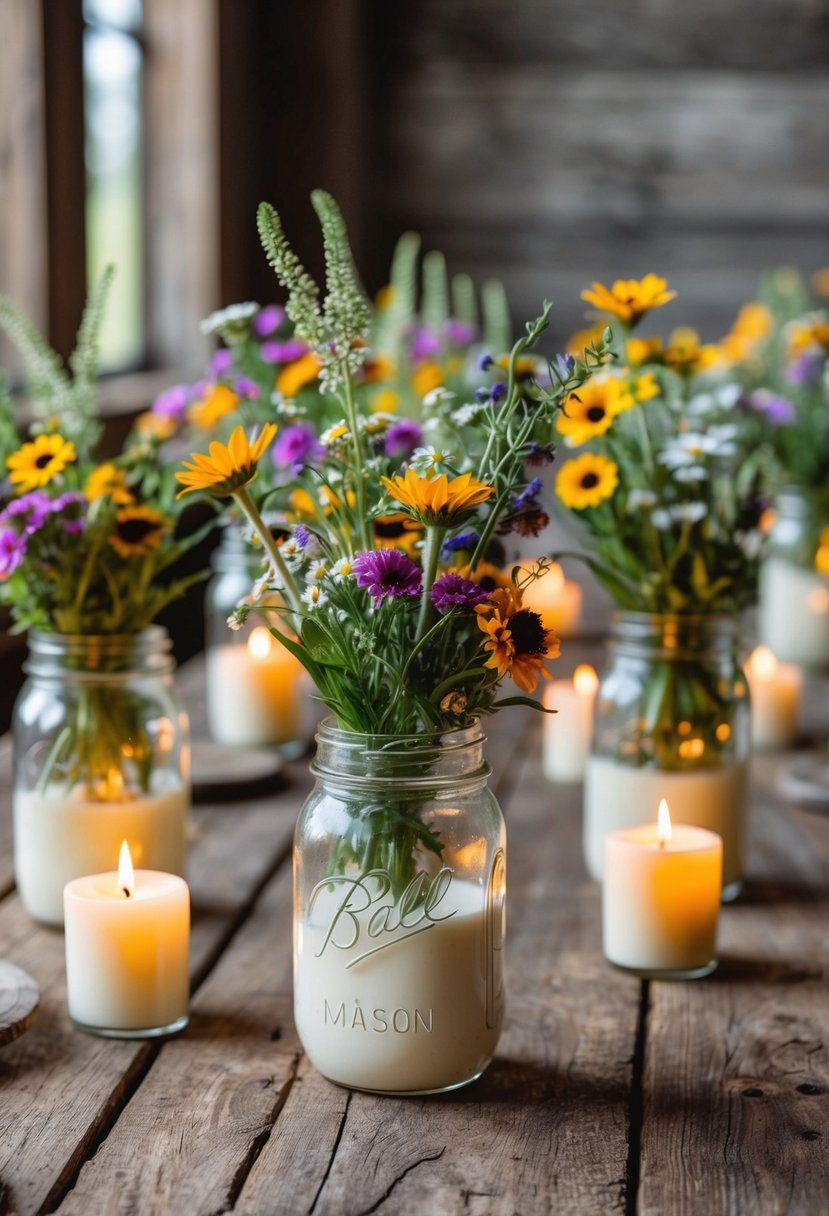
[775, 696]
[793, 616]
[567, 733]
[661, 898]
[127, 938]
[256, 692]
[556, 599]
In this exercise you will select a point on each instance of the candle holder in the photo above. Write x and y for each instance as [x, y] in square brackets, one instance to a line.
[149, 1032]
[686, 973]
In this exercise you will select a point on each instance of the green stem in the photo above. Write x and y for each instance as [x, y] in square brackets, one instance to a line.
[431, 556]
[249, 507]
[359, 487]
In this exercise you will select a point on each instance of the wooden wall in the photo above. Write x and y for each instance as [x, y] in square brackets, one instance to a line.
[549, 142]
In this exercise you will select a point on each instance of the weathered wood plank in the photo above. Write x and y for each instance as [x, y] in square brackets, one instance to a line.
[736, 1086]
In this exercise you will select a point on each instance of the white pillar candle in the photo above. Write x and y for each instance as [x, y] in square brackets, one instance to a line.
[775, 696]
[794, 612]
[555, 598]
[127, 938]
[567, 733]
[661, 898]
[256, 692]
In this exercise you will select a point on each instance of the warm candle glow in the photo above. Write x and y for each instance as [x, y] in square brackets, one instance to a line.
[585, 680]
[259, 643]
[554, 578]
[663, 825]
[818, 601]
[126, 874]
[762, 663]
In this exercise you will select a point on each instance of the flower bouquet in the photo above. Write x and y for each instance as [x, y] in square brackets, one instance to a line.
[387, 592]
[665, 484]
[87, 550]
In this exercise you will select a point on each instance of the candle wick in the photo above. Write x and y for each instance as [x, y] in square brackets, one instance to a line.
[126, 891]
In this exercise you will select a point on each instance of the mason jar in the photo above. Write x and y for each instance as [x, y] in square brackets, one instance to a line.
[258, 693]
[101, 755]
[399, 888]
[794, 580]
[672, 721]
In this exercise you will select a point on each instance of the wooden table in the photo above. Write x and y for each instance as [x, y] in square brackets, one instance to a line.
[607, 1095]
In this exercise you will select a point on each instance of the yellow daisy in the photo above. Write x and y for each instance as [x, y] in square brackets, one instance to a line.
[217, 403]
[806, 334]
[229, 466]
[296, 375]
[578, 342]
[137, 530]
[397, 531]
[753, 323]
[587, 481]
[36, 463]
[590, 412]
[645, 387]
[108, 481]
[157, 426]
[630, 299]
[427, 377]
[385, 402]
[686, 355]
[643, 350]
[437, 500]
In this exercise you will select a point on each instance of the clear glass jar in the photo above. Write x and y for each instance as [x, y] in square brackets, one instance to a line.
[101, 755]
[399, 887]
[258, 694]
[672, 721]
[794, 580]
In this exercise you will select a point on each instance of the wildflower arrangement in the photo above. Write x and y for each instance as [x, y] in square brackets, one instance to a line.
[663, 478]
[388, 593]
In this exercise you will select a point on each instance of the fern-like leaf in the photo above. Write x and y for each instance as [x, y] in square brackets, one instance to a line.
[48, 384]
[497, 327]
[347, 309]
[434, 308]
[9, 435]
[303, 294]
[464, 303]
[400, 310]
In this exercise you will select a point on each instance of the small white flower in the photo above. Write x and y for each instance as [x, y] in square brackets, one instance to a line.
[692, 446]
[661, 518]
[336, 434]
[236, 314]
[342, 568]
[290, 549]
[468, 415]
[750, 542]
[262, 586]
[314, 596]
[690, 472]
[317, 572]
[689, 512]
[235, 621]
[425, 460]
[700, 405]
[727, 395]
[437, 397]
[641, 498]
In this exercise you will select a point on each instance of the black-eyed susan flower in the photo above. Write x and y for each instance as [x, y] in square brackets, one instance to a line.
[108, 481]
[137, 530]
[437, 500]
[516, 640]
[587, 481]
[630, 299]
[228, 467]
[397, 531]
[36, 463]
[590, 412]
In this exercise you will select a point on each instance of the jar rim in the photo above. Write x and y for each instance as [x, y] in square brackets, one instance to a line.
[412, 760]
[97, 656]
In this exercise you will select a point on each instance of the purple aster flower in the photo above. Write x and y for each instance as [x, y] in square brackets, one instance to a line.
[499, 392]
[28, 512]
[221, 361]
[454, 591]
[283, 352]
[485, 362]
[172, 402]
[527, 495]
[72, 506]
[403, 437]
[464, 540]
[425, 344]
[246, 387]
[293, 445]
[12, 551]
[387, 573]
[777, 409]
[805, 370]
[268, 320]
[301, 535]
[460, 333]
[563, 365]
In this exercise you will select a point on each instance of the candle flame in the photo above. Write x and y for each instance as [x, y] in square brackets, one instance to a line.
[762, 663]
[126, 874]
[663, 825]
[259, 643]
[555, 578]
[585, 680]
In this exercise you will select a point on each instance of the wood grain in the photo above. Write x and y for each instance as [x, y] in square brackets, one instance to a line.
[19, 999]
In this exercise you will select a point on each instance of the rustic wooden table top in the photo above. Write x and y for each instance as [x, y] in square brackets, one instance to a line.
[607, 1095]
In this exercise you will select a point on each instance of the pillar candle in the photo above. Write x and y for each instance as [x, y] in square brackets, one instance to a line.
[567, 733]
[256, 692]
[555, 598]
[775, 696]
[127, 938]
[661, 898]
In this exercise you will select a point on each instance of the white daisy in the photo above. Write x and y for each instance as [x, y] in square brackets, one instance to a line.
[317, 572]
[431, 459]
[468, 415]
[689, 512]
[690, 472]
[437, 397]
[342, 568]
[314, 596]
[335, 434]
[641, 498]
[236, 314]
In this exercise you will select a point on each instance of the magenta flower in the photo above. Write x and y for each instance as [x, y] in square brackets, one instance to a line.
[293, 446]
[27, 513]
[403, 437]
[172, 402]
[221, 362]
[72, 506]
[425, 344]
[283, 352]
[454, 591]
[387, 573]
[460, 333]
[12, 551]
[268, 320]
[779, 410]
[246, 388]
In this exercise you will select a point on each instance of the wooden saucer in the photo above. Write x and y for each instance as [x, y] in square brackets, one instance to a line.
[806, 783]
[222, 773]
[19, 999]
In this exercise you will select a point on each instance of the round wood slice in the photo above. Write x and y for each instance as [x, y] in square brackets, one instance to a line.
[806, 783]
[19, 999]
[221, 773]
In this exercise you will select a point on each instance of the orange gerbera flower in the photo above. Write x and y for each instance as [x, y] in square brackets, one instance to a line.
[437, 500]
[517, 642]
[217, 402]
[630, 299]
[229, 466]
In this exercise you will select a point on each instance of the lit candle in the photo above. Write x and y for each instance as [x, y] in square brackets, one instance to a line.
[256, 692]
[775, 695]
[567, 733]
[661, 899]
[555, 598]
[127, 937]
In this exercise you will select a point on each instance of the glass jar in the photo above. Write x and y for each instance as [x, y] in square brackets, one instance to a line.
[258, 694]
[794, 580]
[672, 722]
[399, 886]
[101, 755]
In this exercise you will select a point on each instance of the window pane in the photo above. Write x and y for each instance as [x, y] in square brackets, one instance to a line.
[112, 72]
